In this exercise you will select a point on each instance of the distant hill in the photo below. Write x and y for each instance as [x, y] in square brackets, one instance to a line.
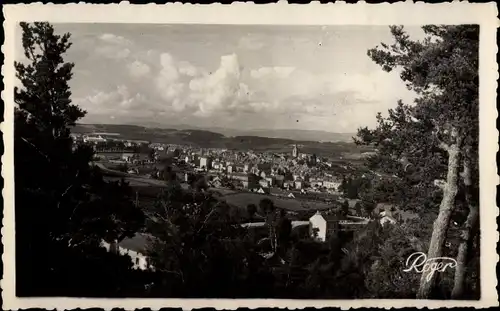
[302, 135]
[236, 140]
[172, 136]
[293, 134]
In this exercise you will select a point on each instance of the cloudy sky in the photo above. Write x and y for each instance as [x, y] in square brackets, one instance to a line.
[288, 77]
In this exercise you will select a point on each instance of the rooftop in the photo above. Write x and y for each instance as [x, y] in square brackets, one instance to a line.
[138, 243]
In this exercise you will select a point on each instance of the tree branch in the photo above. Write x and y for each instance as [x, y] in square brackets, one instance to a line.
[67, 189]
[436, 133]
[70, 186]
[33, 58]
[32, 145]
[205, 221]
[74, 210]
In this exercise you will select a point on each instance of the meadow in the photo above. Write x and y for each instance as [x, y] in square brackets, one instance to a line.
[244, 198]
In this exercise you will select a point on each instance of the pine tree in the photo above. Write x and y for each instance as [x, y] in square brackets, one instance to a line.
[441, 129]
[59, 198]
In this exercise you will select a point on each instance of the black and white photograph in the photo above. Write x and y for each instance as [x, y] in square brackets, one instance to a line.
[249, 161]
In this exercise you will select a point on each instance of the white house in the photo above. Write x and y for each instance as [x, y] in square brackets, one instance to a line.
[205, 163]
[135, 249]
[321, 226]
[331, 184]
[298, 184]
[93, 138]
[318, 223]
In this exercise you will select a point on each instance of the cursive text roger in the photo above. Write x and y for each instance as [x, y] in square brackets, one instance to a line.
[420, 264]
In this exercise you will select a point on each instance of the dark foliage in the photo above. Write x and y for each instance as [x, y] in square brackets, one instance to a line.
[63, 208]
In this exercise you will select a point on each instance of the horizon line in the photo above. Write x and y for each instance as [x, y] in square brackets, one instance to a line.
[214, 127]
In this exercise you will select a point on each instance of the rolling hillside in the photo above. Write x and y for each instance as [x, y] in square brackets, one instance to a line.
[208, 139]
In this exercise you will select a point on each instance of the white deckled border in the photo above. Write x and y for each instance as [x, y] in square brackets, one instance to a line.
[284, 14]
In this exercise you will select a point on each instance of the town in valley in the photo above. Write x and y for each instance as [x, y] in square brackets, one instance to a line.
[312, 190]
[215, 161]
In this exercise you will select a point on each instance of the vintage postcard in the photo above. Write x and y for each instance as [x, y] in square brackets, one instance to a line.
[249, 155]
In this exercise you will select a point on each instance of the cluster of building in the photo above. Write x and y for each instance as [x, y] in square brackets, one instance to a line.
[104, 138]
[252, 170]
[290, 174]
[248, 170]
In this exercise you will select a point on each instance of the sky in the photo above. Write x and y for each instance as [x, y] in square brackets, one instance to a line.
[233, 76]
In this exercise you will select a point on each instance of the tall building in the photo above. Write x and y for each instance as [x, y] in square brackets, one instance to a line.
[205, 162]
[295, 151]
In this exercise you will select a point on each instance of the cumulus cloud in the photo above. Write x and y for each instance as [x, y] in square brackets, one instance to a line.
[335, 87]
[167, 81]
[168, 71]
[278, 72]
[188, 69]
[185, 88]
[178, 89]
[120, 101]
[376, 86]
[138, 69]
[220, 91]
[113, 52]
[271, 90]
[113, 46]
[114, 39]
[318, 99]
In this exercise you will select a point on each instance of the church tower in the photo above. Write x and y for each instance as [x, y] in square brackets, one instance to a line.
[295, 151]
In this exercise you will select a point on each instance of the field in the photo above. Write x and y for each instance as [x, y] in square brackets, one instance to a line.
[140, 182]
[243, 199]
[147, 190]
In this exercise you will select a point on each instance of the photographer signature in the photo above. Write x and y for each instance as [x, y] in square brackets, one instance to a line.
[423, 264]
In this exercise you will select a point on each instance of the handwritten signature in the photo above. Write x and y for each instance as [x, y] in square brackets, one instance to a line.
[421, 264]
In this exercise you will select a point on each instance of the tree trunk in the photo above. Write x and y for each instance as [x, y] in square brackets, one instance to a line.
[270, 227]
[468, 233]
[113, 247]
[442, 222]
[463, 252]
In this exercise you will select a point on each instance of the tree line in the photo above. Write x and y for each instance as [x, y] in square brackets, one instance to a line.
[64, 208]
